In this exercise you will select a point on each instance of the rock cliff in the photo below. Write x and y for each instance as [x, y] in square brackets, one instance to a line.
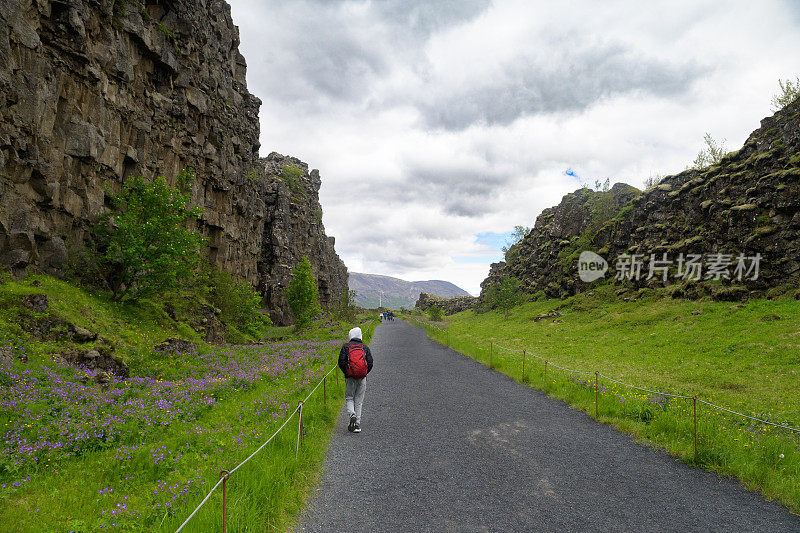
[92, 92]
[746, 205]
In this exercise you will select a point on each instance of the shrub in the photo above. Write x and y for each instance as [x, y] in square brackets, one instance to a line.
[435, 313]
[238, 302]
[711, 154]
[790, 91]
[302, 294]
[144, 245]
[292, 176]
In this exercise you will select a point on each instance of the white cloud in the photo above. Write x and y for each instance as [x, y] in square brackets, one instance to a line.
[442, 120]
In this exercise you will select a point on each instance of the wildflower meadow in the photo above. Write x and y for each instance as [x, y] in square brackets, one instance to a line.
[139, 453]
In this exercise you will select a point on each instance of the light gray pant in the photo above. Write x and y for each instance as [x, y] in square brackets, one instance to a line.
[354, 396]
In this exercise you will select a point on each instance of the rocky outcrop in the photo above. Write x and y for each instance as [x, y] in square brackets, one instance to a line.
[545, 257]
[94, 92]
[293, 228]
[449, 306]
[746, 205]
[175, 346]
[94, 359]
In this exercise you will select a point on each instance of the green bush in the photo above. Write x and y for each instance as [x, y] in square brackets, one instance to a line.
[144, 245]
[292, 175]
[238, 302]
[302, 294]
[435, 313]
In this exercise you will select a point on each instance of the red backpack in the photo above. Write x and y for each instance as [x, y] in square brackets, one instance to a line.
[356, 360]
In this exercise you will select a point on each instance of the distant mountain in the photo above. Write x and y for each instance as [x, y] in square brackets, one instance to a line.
[397, 293]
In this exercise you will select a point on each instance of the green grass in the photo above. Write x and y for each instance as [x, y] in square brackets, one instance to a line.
[69, 491]
[742, 357]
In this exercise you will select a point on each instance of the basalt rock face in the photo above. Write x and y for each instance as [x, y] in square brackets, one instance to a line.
[449, 306]
[95, 91]
[747, 204]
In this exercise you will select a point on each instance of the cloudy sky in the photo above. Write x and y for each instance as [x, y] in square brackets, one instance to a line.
[439, 125]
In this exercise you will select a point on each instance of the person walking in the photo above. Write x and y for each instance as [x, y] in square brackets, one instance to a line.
[355, 360]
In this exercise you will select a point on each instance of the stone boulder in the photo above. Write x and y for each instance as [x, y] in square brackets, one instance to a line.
[102, 358]
[207, 323]
[6, 355]
[82, 335]
[173, 346]
[38, 303]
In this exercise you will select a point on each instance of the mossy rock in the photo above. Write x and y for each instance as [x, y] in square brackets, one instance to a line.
[744, 207]
[760, 233]
[777, 292]
[731, 293]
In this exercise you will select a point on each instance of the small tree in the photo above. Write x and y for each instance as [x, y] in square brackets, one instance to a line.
[711, 154]
[435, 313]
[302, 294]
[790, 91]
[144, 245]
[652, 180]
[505, 294]
[510, 251]
[602, 185]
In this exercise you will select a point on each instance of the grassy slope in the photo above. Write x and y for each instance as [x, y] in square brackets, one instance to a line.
[72, 491]
[741, 357]
[744, 358]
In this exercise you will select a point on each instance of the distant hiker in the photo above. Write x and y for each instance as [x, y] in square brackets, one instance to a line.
[355, 360]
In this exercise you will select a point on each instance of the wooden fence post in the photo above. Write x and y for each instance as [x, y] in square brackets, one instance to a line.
[523, 365]
[596, 394]
[694, 399]
[224, 475]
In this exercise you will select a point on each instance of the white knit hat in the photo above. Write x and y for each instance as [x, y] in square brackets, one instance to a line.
[355, 333]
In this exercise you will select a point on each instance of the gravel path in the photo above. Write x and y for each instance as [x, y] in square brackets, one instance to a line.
[450, 445]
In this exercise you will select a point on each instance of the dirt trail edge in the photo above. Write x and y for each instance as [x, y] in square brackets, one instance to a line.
[450, 445]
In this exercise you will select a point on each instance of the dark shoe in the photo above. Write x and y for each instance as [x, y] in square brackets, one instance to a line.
[352, 426]
[357, 429]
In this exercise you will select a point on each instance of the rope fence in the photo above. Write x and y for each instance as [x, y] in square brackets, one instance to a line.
[597, 375]
[225, 474]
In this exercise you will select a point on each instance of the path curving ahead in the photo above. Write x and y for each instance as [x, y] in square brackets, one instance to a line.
[450, 445]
